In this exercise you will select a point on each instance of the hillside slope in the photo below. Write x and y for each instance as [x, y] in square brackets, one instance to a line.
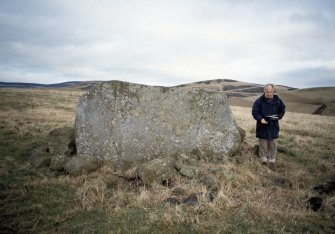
[244, 94]
[241, 94]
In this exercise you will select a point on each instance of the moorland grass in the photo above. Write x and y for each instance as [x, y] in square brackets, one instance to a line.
[248, 199]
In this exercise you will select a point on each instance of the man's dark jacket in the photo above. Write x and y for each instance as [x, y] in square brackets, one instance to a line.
[264, 107]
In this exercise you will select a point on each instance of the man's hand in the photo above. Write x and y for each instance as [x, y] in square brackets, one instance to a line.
[263, 121]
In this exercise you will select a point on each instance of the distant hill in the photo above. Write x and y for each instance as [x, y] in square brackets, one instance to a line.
[71, 84]
[319, 100]
[309, 101]
[35, 85]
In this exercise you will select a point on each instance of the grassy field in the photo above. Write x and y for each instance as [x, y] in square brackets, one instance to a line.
[249, 199]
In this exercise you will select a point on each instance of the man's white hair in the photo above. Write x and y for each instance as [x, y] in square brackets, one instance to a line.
[271, 85]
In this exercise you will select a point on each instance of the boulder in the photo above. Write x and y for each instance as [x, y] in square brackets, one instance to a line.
[61, 142]
[59, 146]
[131, 123]
[58, 162]
[159, 171]
[80, 165]
[188, 171]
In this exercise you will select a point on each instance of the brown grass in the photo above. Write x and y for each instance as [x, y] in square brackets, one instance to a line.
[248, 200]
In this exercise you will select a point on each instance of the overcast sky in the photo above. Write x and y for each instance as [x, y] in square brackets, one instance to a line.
[168, 42]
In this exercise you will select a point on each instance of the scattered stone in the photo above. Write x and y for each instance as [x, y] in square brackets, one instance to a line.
[58, 162]
[172, 201]
[60, 144]
[210, 183]
[187, 171]
[191, 200]
[327, 188]
[39, 158]
[157, 171]
[80, 165]
[282, 182]
[61, 141]
[315, 203]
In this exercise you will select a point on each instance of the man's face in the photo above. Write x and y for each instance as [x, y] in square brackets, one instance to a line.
[268, 91]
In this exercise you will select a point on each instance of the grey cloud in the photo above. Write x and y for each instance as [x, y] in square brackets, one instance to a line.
[162, 42]
[309, 77]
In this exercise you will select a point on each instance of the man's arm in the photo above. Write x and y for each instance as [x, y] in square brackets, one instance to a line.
[256, 110]
[281, 109]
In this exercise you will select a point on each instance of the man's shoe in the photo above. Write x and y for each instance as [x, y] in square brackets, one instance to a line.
[272, 166]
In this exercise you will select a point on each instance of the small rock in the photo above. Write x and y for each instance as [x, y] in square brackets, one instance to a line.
[191, 200]
[315, 203]
[80, 165]
[172, 200]
[61, 141]
[187, 171]
[157, 171]
[58, 162]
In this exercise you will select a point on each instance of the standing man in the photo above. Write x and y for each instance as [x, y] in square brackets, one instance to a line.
[268, 110]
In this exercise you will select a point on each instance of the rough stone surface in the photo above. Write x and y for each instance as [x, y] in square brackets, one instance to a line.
[59, 146]
[130, 123]
[58, 162]
[80, 165]
[187, 171]
[172, 201]
[61, 141]
[191, 200]
[157, 171]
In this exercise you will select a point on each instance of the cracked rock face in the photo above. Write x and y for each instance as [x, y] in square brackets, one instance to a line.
[131, 123]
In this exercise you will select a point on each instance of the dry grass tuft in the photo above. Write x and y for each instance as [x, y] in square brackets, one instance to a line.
[91, 194]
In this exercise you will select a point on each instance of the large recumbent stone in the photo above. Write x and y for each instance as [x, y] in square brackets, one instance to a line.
[131, 123]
